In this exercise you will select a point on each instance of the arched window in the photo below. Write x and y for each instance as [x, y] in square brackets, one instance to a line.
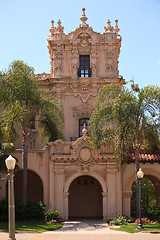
[83, 121]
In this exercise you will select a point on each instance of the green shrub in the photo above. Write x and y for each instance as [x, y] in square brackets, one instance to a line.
[4, 210]
[52, 215]
[34, 211]
[19, 210]
[153, 213]
[120, 220]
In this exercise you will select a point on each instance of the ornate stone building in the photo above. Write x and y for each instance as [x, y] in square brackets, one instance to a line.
[68, 175]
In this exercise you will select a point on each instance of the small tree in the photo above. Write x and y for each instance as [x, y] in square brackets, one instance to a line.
[22, 102]
[127, 119]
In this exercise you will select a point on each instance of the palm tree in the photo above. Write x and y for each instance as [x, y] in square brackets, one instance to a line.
[22, 103]
[128, 119]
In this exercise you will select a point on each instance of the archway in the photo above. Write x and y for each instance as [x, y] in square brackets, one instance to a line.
[156, 183]
[85, 198]
[34, 186]
[150, 174]
[148, 197]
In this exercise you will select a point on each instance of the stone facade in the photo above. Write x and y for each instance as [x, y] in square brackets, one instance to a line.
[76, 180]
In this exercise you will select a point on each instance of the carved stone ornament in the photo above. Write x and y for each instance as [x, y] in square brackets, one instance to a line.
[84, 39]
[85, 154]
[102, 173]
[57, 147]
[69, 173]
[85, 168]
[81, 150]
[85, 89]
[42, 76]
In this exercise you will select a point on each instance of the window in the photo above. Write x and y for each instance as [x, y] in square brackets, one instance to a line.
[81, 125]
[84, 66]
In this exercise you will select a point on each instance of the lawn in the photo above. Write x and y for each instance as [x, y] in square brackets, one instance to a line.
[32, 226]
[132, 228]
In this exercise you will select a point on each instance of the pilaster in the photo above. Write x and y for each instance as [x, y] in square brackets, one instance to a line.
[51, 185]
[111, 180]
[127, 203]
[119, 191]
[59, 182]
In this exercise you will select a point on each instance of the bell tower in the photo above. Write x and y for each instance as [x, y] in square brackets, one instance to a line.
[83, 52]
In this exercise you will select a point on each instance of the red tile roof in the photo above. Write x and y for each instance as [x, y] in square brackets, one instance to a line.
[145, 157]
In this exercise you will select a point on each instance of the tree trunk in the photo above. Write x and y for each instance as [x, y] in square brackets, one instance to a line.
[24, 161]
[137, 181]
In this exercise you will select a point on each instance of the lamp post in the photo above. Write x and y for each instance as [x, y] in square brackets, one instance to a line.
[140, 175]
[10, 163]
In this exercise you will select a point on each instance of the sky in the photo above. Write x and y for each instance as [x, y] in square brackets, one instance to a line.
[25, 24]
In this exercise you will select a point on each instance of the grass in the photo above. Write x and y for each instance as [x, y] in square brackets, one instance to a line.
[31, 226]
[132, 228]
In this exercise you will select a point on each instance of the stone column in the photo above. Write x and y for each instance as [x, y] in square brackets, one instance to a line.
[111, 179]
[58, 184]
[105, 200]
[66, 194]
[51, 185]
[127, 203]
[119, 192]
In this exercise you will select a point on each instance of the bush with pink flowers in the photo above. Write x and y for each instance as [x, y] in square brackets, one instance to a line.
[144, 220]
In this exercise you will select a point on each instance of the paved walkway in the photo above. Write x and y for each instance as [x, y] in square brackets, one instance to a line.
[83, 230]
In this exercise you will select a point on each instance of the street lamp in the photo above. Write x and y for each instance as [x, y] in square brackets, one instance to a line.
[140, 175]
[10, 163]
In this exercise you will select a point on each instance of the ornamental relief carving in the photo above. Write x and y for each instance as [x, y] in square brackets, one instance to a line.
[110, 54]
[85, 96]
[57, 60]
[69, 173]
[102, 173]
[74, 61]
[84, 39]
[82, 114]
[59, 148]
[82, 89]
[82, 152]
[85, 155]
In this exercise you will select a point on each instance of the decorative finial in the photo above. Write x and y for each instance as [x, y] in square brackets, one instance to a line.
[59, 28]
[83, 10]
[116, 29]
[84, 130]
[52, 27]
[83, 18]
[108, 28]
[52, 22]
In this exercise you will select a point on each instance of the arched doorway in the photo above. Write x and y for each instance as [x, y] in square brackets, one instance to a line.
[34, 186]
[148, 197]
[85, 198]
[149, 173]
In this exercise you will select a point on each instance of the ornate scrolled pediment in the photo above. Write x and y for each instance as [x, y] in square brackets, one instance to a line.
[83, 39]
[82, 150]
